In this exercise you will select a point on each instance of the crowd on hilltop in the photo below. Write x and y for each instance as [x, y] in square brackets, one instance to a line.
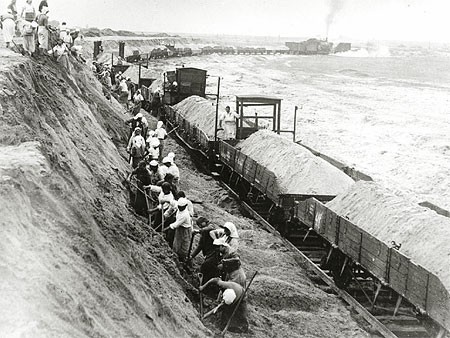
[39, 37]
[155, 177]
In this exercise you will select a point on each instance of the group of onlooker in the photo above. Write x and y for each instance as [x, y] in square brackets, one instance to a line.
[38, 36]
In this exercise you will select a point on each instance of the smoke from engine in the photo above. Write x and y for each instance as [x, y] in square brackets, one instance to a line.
[334, 7]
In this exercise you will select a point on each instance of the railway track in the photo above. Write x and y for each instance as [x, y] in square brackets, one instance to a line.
[387, 318]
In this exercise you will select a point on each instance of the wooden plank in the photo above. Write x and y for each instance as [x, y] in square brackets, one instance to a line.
[416, 288]
[203, 139]
[438, 302]
[350, 239]
[240, 161]
[398, 272]
[319, 218]
[250, 170]
[272, 189]
[227, 153]
[376, 264]
[261, 178]
[329, 231]
[300, 211]
[309, 213]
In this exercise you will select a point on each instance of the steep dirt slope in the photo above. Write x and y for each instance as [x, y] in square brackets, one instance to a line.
[75, 261]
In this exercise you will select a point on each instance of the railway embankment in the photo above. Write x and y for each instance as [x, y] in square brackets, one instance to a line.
[76, 261]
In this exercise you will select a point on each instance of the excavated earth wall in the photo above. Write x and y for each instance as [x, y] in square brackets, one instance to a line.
[75, 260]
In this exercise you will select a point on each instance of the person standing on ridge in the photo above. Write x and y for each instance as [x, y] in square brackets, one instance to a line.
[61, 52]
[13, 8]
[8, 26]
[227, 121]
[42, 5]
[42, 20]
[29, 36]
[28, 12]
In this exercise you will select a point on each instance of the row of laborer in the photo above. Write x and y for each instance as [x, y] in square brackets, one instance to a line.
[119, 86]
[143, 143]
[171, 212]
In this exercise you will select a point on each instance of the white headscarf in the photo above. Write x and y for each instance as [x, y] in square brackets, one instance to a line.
[229, 296]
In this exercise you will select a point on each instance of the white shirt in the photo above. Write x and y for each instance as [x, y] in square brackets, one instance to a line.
[136, 139]
[228, 117]
[183, 219]
[163, 170]
[138, 98]
[173, 169]
[123, 86]
[161, 133]
[60, 50]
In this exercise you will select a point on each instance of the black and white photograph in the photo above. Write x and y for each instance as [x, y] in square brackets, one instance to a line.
[225, 168]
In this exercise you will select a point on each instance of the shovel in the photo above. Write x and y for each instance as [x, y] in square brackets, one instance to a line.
[200, 279]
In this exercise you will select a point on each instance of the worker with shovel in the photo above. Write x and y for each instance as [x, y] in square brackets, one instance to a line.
[210, 252]
[233, 306]
[183, 229]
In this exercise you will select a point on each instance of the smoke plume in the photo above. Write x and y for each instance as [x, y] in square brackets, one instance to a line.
[334, 8]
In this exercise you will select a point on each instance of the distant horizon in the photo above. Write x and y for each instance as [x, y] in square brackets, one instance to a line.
[294, 38]
[357, 20]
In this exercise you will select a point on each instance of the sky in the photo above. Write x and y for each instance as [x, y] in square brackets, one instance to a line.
[407, 20]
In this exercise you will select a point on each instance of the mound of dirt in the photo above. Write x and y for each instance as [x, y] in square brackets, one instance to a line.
[391, 217]
[298, 171]
[75, 260]
[200, 111]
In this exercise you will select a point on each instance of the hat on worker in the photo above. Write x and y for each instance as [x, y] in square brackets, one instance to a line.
[229, 296]
[221, 241]
[232, 228]
[166, 160]
[153, 163]
[201, 220]
[138, 116]
[171, 155]
[182, 202]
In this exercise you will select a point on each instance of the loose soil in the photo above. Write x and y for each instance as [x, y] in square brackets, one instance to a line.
[298, 171]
